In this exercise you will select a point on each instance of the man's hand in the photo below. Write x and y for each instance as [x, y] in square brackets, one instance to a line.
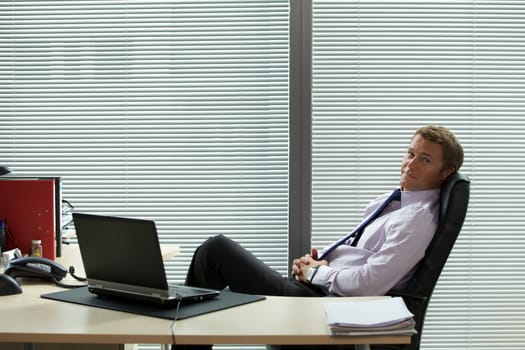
[301, 265]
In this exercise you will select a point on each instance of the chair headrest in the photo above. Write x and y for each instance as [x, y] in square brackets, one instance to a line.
[446, 191]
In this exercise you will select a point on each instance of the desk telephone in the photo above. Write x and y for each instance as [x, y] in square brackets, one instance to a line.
[36, 267]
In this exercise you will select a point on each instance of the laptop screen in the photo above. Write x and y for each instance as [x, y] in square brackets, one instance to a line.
[120, 250]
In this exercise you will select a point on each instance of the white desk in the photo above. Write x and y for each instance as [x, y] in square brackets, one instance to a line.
[276, 320]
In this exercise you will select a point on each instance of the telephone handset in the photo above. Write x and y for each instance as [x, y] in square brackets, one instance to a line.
[36, 267]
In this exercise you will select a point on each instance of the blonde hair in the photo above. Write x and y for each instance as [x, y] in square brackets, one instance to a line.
[452, 150]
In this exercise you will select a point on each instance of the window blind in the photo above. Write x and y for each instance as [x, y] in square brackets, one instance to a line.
[381, 69]
[175, 111]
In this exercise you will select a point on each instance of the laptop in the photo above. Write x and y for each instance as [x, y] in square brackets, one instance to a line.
[122, 258]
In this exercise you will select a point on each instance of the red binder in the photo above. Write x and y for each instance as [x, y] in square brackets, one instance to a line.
[28, 208]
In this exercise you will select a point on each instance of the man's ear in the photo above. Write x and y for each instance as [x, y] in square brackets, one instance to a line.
[446, 173]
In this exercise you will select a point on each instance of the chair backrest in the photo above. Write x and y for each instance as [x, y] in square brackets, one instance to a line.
[455, 193]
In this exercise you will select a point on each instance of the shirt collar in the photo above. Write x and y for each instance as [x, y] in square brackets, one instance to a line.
[410, 197]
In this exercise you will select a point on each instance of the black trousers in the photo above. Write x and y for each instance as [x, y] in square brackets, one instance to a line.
[221, 262]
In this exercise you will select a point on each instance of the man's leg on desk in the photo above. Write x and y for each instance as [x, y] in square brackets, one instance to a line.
[221, 262]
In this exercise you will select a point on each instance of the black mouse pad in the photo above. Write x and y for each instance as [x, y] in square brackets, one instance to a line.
[225, 300]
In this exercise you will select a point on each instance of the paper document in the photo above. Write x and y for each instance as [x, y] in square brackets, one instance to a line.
[367, 313]
[402, 328]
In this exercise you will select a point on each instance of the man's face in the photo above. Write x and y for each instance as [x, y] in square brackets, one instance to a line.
[422, 166]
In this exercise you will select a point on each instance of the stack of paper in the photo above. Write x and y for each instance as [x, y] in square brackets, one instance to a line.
[369, 317]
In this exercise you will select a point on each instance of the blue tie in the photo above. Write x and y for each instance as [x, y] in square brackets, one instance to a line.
[396, 195]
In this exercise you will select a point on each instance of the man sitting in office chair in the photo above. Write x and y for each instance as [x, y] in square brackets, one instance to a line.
[380, 255]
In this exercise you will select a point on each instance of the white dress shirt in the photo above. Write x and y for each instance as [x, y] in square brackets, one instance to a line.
[389, 249]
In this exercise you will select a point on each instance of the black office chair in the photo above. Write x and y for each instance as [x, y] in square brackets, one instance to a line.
[455, 193]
